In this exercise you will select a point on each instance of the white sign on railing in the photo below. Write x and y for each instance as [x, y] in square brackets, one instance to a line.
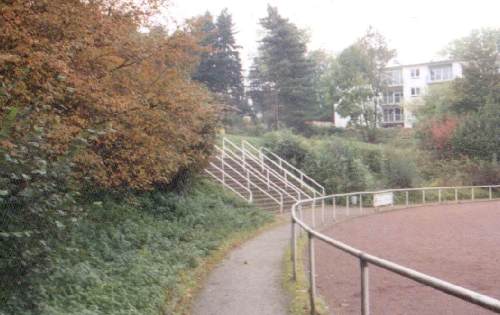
[383, 199]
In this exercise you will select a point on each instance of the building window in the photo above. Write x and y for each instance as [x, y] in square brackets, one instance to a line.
[397, 114]
[394, 77]
[441, 73]
[415, 91]
[415, 73]
[391, 98]
[393, 115]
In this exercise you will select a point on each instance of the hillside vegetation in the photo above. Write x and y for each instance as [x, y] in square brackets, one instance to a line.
[102, 135]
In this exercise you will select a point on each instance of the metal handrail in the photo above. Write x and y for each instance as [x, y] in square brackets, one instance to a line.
[280, 202]
[365, 259]
[246, 153]
[302, 175]
[249, 199]
[277, 176]
[256, 173]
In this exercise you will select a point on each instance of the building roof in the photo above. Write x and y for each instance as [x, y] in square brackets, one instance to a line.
[429, 63]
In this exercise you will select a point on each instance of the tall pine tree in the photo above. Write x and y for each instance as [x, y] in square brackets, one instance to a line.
[220, 67]
[283, 73]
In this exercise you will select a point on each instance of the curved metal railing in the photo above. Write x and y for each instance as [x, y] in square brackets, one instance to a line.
[381, 199]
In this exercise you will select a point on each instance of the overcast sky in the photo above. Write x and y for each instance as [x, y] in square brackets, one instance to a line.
[418, 29]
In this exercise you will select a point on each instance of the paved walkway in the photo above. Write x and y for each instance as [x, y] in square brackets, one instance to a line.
[248, 281]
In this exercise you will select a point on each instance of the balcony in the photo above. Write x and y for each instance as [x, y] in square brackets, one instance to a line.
[440, 74]
[392, 116]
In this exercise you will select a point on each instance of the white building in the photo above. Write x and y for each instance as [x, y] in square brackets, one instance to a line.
[407, 84]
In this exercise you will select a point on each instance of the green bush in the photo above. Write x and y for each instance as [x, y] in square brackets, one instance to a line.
[287, 145]
[399, 171]
[336, 166]
[128, 251]
[478, 134]
[38, 208]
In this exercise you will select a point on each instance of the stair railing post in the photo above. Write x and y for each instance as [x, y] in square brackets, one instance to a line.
[222, 163]
[281, 203]
[268, 179]
[407, 198]
[261, 157]
[472, 194]
[490, 193]
[439, 195]
[248, 179]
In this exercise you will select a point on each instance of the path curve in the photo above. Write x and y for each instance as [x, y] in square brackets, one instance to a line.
[248, 281]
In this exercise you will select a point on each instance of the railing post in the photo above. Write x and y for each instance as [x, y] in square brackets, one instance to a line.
[243, 155]
[268, 179]
[365, 289]
[248, 179]
[490, 193]
[312, 271]
[407, 198]
[439, 195]
[314, 213]
[222, 164]
[456, 195]
[286, 181]
[347, 204]
[281, 203]
[423, 196]
[334, 209]
[261, 157]
[301, 215]
[323, 208]
[301, 180]
[294, 250]
[472, 194]
[360, 204]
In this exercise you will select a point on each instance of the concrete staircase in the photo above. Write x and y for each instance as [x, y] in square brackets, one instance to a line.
[261, 177]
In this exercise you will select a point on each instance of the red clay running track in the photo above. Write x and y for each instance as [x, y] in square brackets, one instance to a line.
[457, 243]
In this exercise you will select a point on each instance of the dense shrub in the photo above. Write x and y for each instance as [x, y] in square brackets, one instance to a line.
[337, 167]
[478, 134]
[436, 135]
[37, 209]
[128, 252]
[288, 145]
[399, 171]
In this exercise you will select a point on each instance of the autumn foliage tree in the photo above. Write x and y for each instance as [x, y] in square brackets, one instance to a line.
[119, 101]
[87, 101]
